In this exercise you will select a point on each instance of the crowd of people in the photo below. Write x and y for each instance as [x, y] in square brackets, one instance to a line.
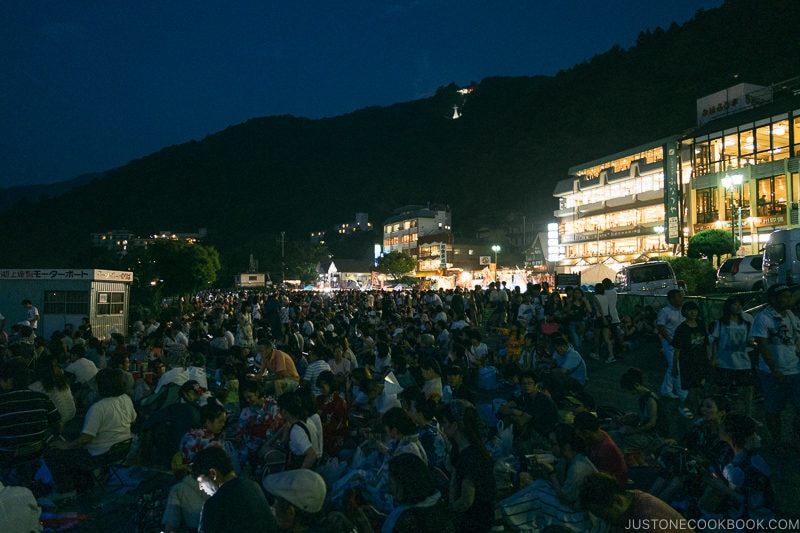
[299, 410]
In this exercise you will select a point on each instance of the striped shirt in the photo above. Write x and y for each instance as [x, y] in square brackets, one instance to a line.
[26, 417]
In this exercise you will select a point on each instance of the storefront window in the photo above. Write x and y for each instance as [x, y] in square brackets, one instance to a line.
[763, 147]
[796, 121]
[706, 202]
[780, 140]
[746, 148]
[771, 196]
[717, 156]
[701, 158]
[741, 198]
[730, 148]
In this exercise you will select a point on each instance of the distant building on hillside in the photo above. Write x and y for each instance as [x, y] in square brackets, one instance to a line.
[412, 225]
[360, 224]
[121, 240]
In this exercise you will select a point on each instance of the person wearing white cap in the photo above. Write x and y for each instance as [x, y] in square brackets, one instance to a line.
[299, 497]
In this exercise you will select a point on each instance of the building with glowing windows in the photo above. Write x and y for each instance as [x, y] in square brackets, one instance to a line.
[736, 170]
[611, 210]
[408, 225]
[744, 162]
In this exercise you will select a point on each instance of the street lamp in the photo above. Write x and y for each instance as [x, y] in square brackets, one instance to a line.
[495, 249]
[731, 183]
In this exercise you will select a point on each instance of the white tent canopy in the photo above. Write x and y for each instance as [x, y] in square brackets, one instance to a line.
[596, 274]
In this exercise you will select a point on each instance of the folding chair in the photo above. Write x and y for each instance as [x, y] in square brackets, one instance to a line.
[111, 462]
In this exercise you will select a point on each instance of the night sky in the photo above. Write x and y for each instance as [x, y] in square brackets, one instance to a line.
[88, 85]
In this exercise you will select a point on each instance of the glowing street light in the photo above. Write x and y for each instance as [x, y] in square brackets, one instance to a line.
[495, 249]
[731, 183]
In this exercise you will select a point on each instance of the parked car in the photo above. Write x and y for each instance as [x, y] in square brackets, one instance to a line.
[782, 258]
[741, 274]
[654, 277]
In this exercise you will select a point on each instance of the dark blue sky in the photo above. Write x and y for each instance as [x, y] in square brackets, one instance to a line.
[88, 85]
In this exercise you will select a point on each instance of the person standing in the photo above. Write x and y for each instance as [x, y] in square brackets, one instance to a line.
[730, 341]
[777, 332]
[31, 314]
[667, 321]
[691, 357]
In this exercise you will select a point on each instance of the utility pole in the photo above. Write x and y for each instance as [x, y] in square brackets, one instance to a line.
[283, 258]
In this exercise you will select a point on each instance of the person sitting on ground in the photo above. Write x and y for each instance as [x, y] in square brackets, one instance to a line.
[27, 417]
[423, 412]
[534, 413]
[50, 379]
[455, 388]
[235, 503]
[259, 420]
[296, 434]
[183, 506]
[107, 422]
[299, 499]
[746, 484]
[600, 448]
[601, 495]
[332, 409]
[568, 361]
[701, 450]
[419, 507]
[210, 433]
[641, 436]
[83, 373]
[402, 434]
[554, 498]
[122, 361]
[280, 365]
[318, 354]
[432, 374]
[472, 483]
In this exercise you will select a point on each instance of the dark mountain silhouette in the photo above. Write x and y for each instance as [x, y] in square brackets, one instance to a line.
[515, 139]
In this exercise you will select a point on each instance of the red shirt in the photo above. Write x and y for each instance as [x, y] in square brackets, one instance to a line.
[608, 458]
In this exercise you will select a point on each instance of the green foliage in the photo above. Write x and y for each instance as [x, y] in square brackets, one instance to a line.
[710, 243]
[173, 268]
[698, 274]
[396, 264]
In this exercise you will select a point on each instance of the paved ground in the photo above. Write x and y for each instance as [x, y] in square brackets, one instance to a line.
[125, 509]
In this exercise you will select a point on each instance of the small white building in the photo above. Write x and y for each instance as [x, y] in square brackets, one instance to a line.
[65, 296]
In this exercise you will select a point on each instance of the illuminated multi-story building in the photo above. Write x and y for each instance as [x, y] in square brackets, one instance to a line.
[743, 160]
[737, 170]
[413, 223]
[611, 210]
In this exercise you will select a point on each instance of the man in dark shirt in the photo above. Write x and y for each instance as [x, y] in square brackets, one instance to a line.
[236, 504]
[27, 418]
[535, 412]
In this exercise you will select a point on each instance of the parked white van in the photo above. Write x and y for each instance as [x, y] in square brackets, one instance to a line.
[782, 258]
[653, 277]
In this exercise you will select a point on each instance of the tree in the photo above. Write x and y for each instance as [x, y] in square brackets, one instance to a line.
[176, 267]
[710, 243]
[396, 264]
[698, 274]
